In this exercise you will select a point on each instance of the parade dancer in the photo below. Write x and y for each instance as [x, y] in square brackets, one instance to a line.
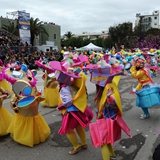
[73, 105]
[107, 128]
[28, 127]
[5, 115]
[147, 91]
[3, 82]
[51, 91]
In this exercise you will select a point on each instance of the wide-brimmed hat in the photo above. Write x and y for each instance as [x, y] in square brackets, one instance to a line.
[44, 66]
[64, 73]
[78, 61]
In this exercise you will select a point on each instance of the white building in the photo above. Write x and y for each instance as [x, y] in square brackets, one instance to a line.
[148, 21]
[93, 35]
[49, 46]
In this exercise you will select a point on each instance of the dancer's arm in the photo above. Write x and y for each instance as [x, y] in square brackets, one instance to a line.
[136, 74]
[66, 96]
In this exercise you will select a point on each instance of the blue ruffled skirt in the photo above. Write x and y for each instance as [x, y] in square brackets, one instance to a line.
[148, 96]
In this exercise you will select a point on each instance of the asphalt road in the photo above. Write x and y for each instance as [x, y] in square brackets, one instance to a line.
[145, 133]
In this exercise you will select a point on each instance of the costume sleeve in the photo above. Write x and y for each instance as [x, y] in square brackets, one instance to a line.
[138, 87]
[66, 96]
[136, 74]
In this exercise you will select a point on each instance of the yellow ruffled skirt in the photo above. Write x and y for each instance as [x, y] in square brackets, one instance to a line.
[5, 85]
[29, 130]
[5, 120]
[51, 96]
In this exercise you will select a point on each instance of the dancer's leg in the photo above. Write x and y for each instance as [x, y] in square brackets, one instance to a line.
[82, 134]
[107, 152]
[145, 110]
[146, 114]
[73, 139]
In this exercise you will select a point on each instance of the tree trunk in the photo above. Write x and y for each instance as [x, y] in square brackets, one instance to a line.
[32, 40]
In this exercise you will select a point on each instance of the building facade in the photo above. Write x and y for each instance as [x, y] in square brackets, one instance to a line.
[53, 30]
[148, 21]
[93, 35]
[6, 21]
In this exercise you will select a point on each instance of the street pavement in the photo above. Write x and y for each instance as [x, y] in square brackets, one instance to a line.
[145, 133]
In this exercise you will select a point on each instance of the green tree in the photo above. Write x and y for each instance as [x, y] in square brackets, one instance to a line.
[98, 42]
[11, 28]
[68, 34]
[74, 42]
[120, 32]
[153, 31]
[140, 30]
[63, 42]
[85, 42]
[36, 27]
[108, 43]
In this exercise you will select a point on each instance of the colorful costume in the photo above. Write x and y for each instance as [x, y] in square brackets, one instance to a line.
[3, 82]
[28, 127]
[5, 115]
[107, 128]
[147, 91]
[75, 112]
[51, 91]
[18, 71]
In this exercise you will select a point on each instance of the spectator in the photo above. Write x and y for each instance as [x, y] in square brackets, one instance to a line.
[26, 44]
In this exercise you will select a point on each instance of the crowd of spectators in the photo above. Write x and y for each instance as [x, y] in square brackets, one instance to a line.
[12, 50]
[29, 59]
[8, 43]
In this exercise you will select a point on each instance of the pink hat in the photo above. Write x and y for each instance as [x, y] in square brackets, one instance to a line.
[44, 66]
[63, 73]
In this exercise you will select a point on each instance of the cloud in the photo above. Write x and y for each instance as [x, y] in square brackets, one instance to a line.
[79, 16]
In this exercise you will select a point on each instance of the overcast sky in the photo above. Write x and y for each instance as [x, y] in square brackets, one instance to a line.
[80, 16]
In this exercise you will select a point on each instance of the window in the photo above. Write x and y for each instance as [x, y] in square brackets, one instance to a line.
[54, 36]
[155, 17]
[155, 24]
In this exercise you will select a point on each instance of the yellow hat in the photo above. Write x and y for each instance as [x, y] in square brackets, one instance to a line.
[151, 50]
[129, 53]
[62, 51]
[101, 54]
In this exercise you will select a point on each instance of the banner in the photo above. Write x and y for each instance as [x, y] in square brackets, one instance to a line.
[24, 27]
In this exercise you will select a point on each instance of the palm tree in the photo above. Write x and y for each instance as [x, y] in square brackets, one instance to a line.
[11, 28]
[36, 27]
[69, 35]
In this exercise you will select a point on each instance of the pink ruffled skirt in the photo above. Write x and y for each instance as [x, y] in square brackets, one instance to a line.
[73, 119]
